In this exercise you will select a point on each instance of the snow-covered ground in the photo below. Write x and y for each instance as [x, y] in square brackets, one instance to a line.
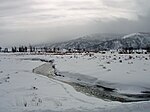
[109, 68]
[22, 90]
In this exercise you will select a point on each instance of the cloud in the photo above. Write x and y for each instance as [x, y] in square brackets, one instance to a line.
[37, 20]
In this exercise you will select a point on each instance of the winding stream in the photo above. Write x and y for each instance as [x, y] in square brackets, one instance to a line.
[100, 90]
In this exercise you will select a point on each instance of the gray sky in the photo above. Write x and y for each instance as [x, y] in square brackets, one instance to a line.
[35, 21]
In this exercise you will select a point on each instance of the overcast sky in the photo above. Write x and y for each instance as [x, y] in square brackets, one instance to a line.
[35, 21]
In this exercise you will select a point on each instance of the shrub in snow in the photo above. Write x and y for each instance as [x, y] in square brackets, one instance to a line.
[144, 70]
[34, 88]
[25, 104]
[8, 78]
[79, 79]
[53, 66]
[114, 59]
[109, 70]
[108, 62]
[104, 67]
[130, 57]
[130, 62]
[40, 100]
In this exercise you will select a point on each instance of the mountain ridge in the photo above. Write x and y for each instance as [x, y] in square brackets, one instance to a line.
[106, 42]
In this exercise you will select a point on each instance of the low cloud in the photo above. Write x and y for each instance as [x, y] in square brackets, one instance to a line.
[37, 20]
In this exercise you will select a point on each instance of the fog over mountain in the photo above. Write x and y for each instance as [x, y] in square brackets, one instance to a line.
[37, 21]
[105, 42]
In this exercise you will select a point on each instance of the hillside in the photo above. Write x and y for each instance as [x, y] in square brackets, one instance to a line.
[105, 42]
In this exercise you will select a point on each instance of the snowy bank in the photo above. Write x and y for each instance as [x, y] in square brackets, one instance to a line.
[92, 86]
[21, 90]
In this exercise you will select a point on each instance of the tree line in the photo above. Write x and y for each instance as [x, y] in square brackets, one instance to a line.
[29, 49]
[125, 50]
[130, 50]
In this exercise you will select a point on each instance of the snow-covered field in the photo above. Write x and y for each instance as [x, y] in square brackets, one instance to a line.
[24, 91]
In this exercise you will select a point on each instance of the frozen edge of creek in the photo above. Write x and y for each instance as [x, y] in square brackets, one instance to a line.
[87, 85]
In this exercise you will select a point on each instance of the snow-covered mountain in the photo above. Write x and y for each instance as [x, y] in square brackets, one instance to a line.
[136, 40]
[107, 41]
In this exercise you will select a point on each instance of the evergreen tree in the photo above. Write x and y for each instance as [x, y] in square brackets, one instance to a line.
[0, 49]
